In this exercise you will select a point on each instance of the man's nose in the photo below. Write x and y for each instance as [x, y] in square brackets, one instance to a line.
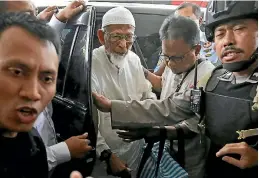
[31, 90]
[229, 38]
[123, 43]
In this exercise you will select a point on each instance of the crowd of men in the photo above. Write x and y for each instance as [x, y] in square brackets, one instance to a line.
[218, 140]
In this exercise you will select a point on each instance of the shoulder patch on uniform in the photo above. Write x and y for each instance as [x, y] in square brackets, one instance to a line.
[254, 76]
[226, 75]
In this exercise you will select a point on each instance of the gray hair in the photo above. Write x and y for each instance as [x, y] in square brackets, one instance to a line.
[195, 8]
[177, 27]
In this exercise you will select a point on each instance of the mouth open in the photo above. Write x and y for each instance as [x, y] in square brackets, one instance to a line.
[230, 55]
[27, 115]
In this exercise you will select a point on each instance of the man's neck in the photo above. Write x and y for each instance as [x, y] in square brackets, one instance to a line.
[247, 72]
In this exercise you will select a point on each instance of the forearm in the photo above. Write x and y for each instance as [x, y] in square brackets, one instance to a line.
[155, 80]
[56, 24]
[148, 113]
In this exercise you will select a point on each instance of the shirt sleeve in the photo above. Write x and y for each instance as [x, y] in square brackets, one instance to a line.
[170, 111]
[56, 24]
[57, 154]
[45, 128]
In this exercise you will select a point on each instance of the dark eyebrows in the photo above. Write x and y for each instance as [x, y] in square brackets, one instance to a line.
[219, 29]
[17, 63]
[49, 72]
[232, 24]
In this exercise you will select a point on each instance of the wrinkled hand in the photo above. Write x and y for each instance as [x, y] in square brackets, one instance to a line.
[249, 155]
[47, 13]
[117, 166]
[131, 135]
[78, 146]
[70, 10]
[102, 103]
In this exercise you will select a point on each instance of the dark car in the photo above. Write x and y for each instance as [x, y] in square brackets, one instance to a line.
[72, 104]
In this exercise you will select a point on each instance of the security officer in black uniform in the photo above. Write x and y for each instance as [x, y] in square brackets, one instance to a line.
[230, 121]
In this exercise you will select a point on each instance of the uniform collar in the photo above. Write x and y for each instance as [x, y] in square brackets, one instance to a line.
[229, 77]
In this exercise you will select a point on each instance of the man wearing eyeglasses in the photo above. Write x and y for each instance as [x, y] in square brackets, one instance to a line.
[193, 11]
[180, 48]
[117, 74]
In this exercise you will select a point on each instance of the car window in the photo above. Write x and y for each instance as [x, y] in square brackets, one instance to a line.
[67, 36]
[76, 82]
[98, 25]
[147, 31]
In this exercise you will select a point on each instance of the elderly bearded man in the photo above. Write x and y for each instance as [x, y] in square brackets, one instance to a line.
[117, 74]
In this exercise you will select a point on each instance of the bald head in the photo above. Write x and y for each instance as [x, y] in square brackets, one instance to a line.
[18, 6]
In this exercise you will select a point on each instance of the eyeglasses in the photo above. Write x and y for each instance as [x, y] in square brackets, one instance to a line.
[114, 37]
[173, 58]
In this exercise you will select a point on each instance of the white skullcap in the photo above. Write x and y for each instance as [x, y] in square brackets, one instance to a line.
[118, 15]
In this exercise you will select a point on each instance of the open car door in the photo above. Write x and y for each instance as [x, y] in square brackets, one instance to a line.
[72, 105]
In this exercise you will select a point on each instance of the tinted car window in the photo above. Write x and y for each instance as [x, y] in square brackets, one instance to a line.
[147, 31]
[76, 83]
[67, 36]
[98, 25]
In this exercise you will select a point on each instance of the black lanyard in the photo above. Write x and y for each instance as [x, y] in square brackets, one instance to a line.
[187, 73]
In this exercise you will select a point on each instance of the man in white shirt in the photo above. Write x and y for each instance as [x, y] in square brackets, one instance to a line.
[117, 74]
[193, 11]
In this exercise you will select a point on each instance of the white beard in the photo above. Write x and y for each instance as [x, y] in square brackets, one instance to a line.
[117, 59]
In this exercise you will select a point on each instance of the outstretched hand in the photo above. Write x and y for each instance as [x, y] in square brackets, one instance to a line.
[70, 10]
[47, 13]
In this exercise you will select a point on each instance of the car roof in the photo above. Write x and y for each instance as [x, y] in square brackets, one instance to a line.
[158, 9]
[101, 7]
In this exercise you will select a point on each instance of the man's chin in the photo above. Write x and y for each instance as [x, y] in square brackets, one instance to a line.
[22, 128]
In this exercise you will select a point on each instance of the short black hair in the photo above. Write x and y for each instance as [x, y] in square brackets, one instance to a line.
[176, 27]
[31, 24]
[195, 8]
